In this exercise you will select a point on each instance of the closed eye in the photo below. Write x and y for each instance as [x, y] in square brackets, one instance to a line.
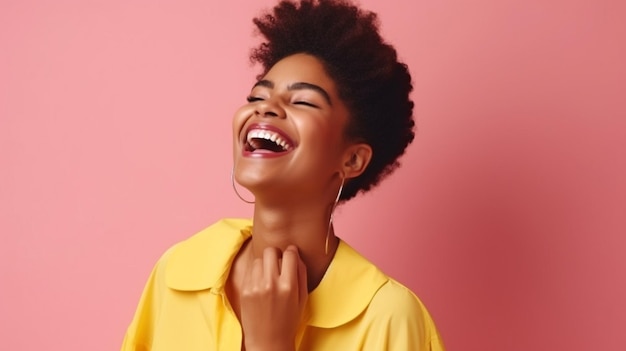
[253, 98]
[305, 103]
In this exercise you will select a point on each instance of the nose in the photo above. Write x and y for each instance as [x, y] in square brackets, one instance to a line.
[269, 108]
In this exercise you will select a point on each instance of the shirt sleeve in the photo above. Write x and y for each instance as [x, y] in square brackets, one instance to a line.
[140, 332]
[399, 321]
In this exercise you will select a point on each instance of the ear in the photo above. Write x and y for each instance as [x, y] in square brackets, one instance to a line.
[355, 160]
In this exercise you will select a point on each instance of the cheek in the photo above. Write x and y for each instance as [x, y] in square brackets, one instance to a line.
[240, 117]
[325, 138]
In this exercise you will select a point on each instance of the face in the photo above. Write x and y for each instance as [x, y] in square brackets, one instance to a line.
[289, 137]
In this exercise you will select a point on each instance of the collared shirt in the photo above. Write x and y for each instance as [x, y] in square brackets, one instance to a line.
[184, 306]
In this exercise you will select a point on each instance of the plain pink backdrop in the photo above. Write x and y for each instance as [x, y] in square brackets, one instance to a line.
[508, 217]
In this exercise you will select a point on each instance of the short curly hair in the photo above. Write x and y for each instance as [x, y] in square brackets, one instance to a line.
[371, 81]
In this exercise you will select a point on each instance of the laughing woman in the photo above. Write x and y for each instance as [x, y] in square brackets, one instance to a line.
[328, 118]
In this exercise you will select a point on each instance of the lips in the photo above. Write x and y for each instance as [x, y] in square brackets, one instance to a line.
[262, 140]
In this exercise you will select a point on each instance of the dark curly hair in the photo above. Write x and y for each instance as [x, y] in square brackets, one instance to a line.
[371, 81]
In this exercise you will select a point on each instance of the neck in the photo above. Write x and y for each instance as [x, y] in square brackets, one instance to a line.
[306, 227]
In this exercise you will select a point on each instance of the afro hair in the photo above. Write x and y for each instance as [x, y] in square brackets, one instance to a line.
[372, 82]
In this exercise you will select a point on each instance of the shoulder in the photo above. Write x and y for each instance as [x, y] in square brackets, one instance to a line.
[179, 263]
[408, 324]
[199, 262]
[194, 264]
[396, 300]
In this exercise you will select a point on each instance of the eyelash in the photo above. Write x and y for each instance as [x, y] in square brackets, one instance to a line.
[252, 99]
[305, 103]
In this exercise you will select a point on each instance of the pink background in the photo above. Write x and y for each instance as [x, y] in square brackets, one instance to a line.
[507, 219]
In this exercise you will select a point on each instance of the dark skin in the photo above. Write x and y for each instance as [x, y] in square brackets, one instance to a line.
[295, 191]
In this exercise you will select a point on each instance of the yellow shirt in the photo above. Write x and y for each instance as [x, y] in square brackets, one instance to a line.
[355, 307]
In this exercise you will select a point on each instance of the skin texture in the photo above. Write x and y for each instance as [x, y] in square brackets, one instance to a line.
[294, 193]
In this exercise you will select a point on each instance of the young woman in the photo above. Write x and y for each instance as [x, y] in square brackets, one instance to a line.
[328, 118]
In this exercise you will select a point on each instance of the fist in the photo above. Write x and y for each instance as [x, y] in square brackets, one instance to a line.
[273, 297]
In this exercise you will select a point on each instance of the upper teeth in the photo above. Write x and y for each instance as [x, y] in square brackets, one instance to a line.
[268, 135]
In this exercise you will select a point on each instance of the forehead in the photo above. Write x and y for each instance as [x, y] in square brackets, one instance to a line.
[301, 68]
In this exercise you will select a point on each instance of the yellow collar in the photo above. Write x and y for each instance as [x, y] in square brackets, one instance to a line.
[203, 262]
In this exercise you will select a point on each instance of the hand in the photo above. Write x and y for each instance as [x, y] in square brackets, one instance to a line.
[273, 298]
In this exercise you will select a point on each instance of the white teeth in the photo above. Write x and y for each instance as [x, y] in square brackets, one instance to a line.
[268, 135]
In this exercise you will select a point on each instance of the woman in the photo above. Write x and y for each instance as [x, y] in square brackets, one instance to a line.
[329, 117]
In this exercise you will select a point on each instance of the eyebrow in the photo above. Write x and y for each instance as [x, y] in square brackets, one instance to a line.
[297, 86]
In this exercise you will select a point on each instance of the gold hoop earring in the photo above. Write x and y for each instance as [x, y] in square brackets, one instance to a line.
[332, 214]
[232, 180]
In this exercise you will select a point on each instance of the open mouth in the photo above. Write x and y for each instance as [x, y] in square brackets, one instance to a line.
[266, 140]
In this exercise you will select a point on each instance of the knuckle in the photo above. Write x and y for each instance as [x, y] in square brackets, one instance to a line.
[285, 288]
[247, 293]
[269, 250]
[251, 291]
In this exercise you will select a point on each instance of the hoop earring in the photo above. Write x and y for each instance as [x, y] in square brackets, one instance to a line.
[232, 180]
[332, 214]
